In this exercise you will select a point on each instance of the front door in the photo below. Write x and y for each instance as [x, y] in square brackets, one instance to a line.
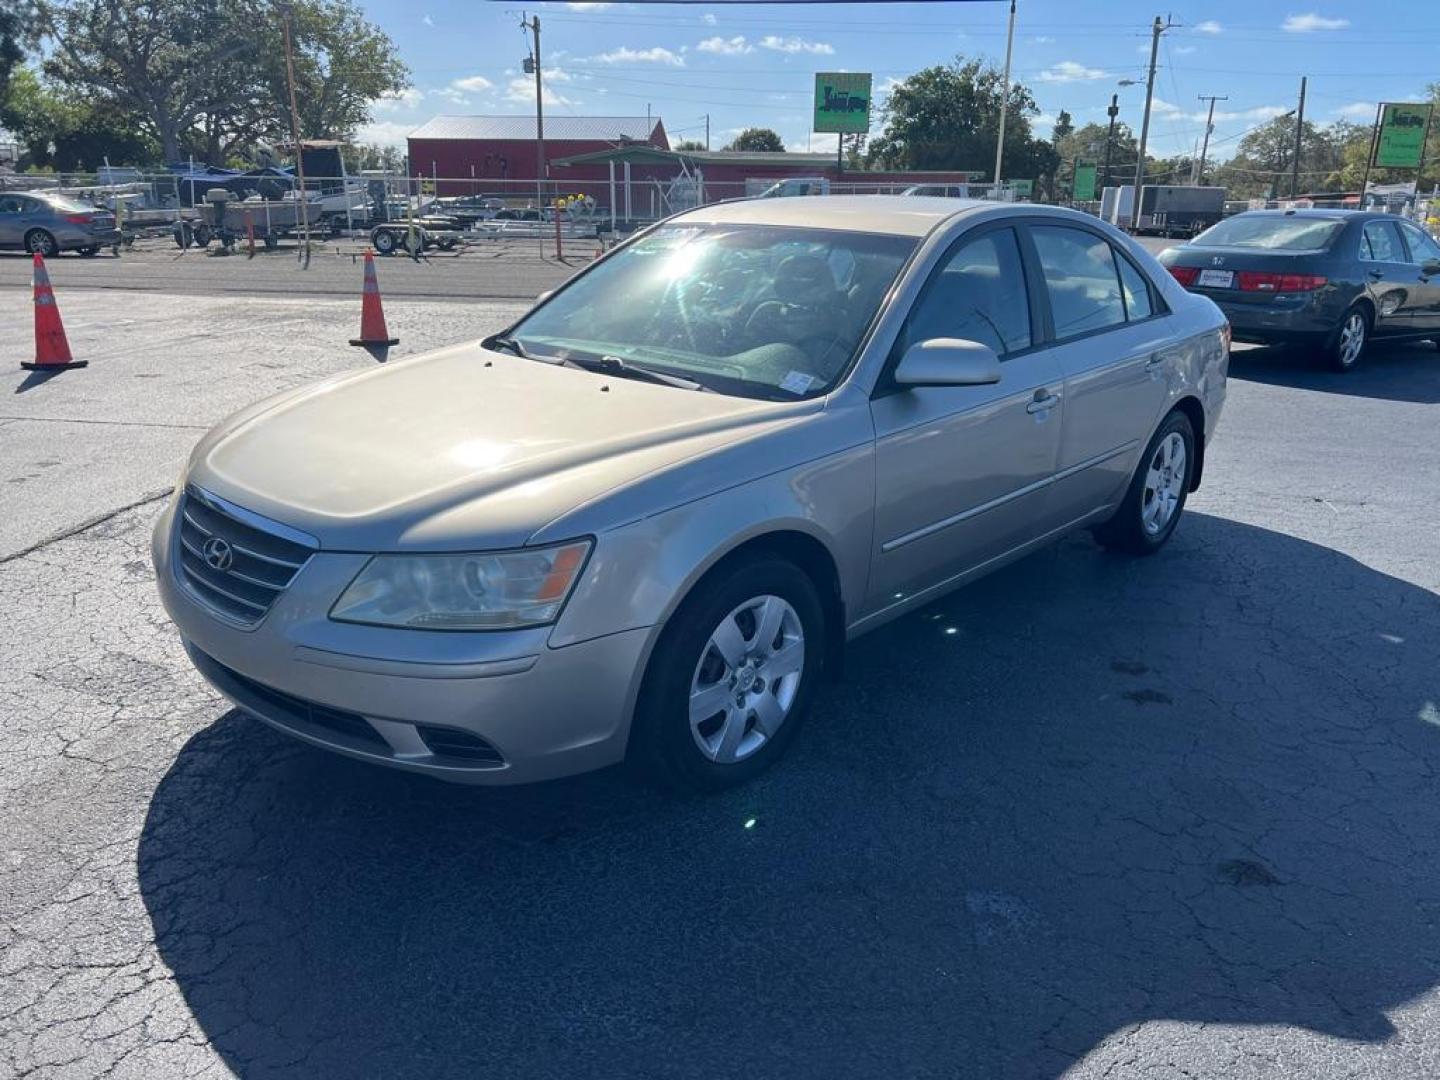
[1390, 280]
[962, 471]
[1423, 250]
[12, 219]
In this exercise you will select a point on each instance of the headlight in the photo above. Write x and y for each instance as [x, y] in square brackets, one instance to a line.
[500, 591]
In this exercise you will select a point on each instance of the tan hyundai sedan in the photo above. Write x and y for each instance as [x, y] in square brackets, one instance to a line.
[643, 521]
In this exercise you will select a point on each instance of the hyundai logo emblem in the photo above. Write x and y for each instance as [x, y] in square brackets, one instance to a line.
[219, 555]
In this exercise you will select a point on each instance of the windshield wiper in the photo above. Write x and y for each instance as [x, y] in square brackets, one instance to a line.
[503, 341]
[628, 369]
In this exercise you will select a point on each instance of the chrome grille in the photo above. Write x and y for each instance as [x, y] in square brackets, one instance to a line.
[260, 565]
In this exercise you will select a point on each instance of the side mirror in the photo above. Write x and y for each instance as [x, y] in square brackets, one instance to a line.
[948, 362]
[1430, 267]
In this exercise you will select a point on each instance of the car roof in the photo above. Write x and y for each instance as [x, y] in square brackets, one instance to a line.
[897, 215]
[1312, 212]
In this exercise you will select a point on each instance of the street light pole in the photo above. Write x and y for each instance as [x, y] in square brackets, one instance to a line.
[1299, 129]
[542, 167]
[1209, 127]
[1004, 98]
[1156, 29]
[1113, 111]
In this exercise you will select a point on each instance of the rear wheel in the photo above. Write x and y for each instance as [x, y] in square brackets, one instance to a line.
[38, 241]
[732, 677]
[383, 242]
[1156, 496]
[1347, 343]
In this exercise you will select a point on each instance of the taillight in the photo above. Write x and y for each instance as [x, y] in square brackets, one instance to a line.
[78, 219]
[1265, 281]
[1185, 275]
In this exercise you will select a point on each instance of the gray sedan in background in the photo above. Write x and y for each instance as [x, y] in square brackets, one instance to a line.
[643, 521]
[1327, 280]
[44, 222]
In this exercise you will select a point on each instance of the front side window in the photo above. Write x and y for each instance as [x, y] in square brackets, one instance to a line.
[1080, 278]
[1380, 243]
[1423, 246]
[978, 295]
[753, 310]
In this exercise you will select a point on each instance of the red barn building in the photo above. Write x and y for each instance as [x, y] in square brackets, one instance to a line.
[501, 148]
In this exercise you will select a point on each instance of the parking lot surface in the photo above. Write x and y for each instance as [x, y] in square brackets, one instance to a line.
[1091, 817]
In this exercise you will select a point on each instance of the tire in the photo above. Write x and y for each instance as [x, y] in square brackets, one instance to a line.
[272, 242]
[38, 240]
[1156, 496]
[674, 744]
[383, 242]
[89, 252]
[1341, 353]
[182, 235]
[201, 236]
[414, 245]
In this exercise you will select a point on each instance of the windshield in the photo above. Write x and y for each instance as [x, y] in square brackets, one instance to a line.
[757, 311]
[1271, 233]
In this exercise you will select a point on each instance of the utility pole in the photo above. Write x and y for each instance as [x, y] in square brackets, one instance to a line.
[1113, 111]
[301, 206]
[1156, 29]
[1299, 129]
[542, 167]
[1209, 127]
[1004, 98]
[707, 131]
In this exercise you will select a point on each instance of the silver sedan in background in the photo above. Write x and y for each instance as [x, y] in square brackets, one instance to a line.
[49, 223]
[643, 521]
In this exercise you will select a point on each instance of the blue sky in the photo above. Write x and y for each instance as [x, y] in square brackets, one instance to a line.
[753, 65]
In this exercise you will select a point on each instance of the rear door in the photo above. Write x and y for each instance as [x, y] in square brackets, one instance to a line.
[1423, 250]
[1391, 282]
[1110, 337]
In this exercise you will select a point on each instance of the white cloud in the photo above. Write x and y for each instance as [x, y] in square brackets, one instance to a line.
[795, 45]
[1174, 112]
[455, 97]
[726, 46]
[1069, 71]
[385, 133]
[1304, 24]
[522, 89]
[404, 99]
[709, 18]
[427, 20]
[819, 143]
[1357, 110]
[1209, 26]
[472, 83]
[627, 55]
[588, 7]
[1043, 40]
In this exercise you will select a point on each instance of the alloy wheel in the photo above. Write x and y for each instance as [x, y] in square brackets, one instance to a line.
[1352, 339]
[747, 678]
[1164, 484]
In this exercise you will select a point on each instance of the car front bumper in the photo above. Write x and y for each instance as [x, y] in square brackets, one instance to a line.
[478, 708]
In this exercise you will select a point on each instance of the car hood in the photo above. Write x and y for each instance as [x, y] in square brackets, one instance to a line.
[461, 449]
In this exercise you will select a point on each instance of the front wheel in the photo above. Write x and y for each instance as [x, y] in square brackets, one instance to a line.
[383, 242]
[1157, 492]
[1348, 341]
[732, 677]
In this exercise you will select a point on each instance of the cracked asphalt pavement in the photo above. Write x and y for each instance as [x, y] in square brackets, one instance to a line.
[1091, 817]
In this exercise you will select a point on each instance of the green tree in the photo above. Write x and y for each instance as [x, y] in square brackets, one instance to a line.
[1087, 143]
[689, 144]
[757, 139]
[66, 133]
[1064, 127]
[369, 156]
[946, 117]
[208, 76]
[20, 27]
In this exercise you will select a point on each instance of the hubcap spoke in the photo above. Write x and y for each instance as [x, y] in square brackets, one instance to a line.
[707, 701]
[768, 622]
[731, 735]
[769, 714]
[729, 642]
[786, 660]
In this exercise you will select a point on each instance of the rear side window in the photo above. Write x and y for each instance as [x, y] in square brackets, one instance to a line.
[1423, 246]
[1081, 279]
[978, 295]
[1138, 304]
[1381, 243]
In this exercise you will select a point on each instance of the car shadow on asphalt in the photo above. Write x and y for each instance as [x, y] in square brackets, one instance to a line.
[1390, 372]
[1084, 793]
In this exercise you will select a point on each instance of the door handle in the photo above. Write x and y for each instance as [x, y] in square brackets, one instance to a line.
[1376, 275]
[1043, 401]
[1156, 359]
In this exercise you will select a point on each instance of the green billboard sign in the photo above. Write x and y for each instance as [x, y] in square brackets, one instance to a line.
[842, 102]
[1084, 187]
[1401, 142]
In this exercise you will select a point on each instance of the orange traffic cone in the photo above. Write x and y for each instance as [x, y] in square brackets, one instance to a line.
[372, 315]
[52, 351]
